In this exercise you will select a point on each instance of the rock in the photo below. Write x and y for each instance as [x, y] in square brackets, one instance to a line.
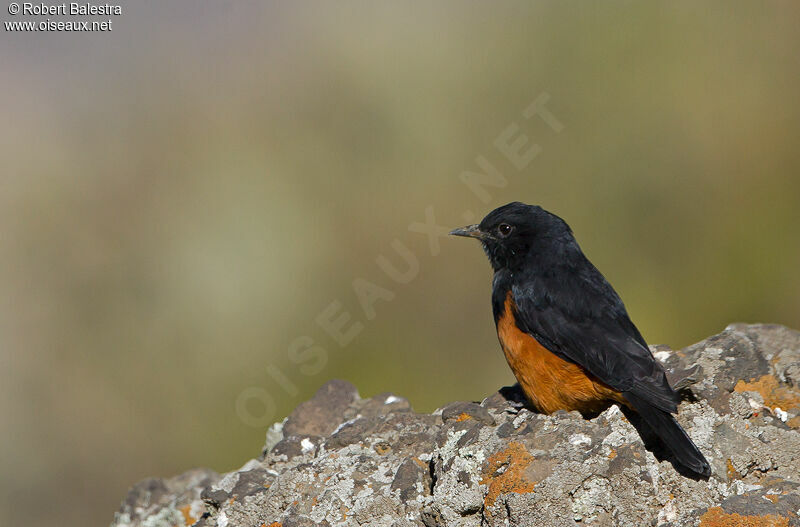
[174, 501]
[340, 460]
[321, 415]
[461, 411]
[412, 479]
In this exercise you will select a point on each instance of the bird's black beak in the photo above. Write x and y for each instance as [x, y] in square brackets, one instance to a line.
[470, 231]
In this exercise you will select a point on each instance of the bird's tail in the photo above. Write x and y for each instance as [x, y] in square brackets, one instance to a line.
[672, 435]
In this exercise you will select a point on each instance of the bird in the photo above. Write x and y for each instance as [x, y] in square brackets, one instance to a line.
[566, 334]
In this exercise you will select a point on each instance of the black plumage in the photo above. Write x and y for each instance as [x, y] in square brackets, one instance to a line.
[569, 308]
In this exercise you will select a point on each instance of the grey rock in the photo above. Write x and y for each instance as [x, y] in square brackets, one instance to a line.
[339, 460]
[294, 446]
[412, 479]
[351, 432]
[383, 404]
[761, 503]
[166, 502]
[461, 411]
[792, 374]
[299, 521]
[324, 412]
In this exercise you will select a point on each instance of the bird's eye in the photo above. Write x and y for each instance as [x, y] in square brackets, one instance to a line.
[504, 229]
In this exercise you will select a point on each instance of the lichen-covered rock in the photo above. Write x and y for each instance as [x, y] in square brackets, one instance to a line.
[166, 502]
[342, 460]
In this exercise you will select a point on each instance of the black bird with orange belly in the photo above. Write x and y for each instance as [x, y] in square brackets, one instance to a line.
[565, 332]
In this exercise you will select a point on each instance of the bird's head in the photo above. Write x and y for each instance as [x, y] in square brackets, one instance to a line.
[511, 234]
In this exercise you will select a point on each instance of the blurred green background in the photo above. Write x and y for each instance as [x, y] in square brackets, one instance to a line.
[181, 197]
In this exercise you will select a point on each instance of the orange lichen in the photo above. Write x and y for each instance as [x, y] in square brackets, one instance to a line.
[772, 497]
[612, 454]
[463, 416]
[188, 519]
[419, 462]
[773, 393]
[716, 517]
[273, 524]
[732, 472]
[794, 422]
[515, 458]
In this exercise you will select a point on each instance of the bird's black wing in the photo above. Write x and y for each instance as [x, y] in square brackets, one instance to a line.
[584, 321]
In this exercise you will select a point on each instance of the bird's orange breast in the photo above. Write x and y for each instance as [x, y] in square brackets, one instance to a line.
[550, 382]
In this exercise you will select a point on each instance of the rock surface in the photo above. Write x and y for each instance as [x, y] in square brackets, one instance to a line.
[342, 460]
